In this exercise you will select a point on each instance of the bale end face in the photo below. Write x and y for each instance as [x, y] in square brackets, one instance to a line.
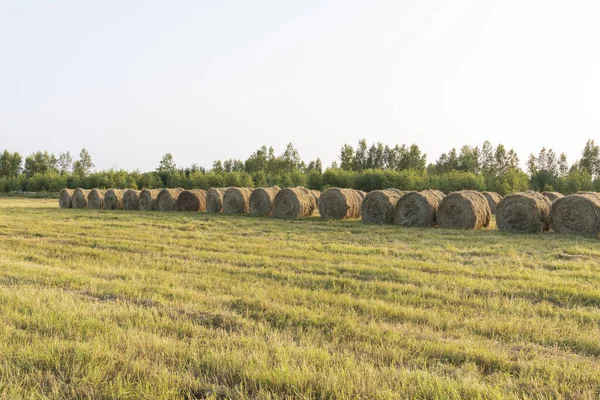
[192, 200]
[418, 209]
[336, 203]
[523, 213]
[237, 201]
[65, 199]
[292, 203]
[261, 201]
[379, 206]
[577, 214]
[464, 210]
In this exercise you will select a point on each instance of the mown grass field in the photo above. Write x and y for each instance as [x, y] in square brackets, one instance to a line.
[108, 304]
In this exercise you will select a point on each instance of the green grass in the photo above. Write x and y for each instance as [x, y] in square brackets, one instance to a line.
[97, 304]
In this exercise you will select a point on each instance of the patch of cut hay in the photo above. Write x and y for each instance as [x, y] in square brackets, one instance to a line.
[418, 209]
[80, 198]
[113, 199]
[577, 214]
[167, 199]
[261, 201]
[464, 210]
[131, 200]
[148, 199]
[524, 213]
[552, 196]
[96, 199]
[65, 200]
[379, 206]
[292, 203]
[236, 200]
[336, 203]
[214, 200]
[192, 200]
[493, 199]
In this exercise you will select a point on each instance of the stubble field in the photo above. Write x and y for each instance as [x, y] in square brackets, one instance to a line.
[114, 304]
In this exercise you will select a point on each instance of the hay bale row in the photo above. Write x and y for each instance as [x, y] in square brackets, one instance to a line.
[577, 214]
[418, 209]
[464, 210]
[192, 200]
[527, 212]
[291, 203]
[148, 199]
[262, 200]
[379, 206]
[336, 203]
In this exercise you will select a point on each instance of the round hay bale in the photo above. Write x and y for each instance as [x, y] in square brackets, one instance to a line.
[148, 199]
[524, 213]
[236, 200]
[261, 201]
[418, 208]
[379, 206]
[552, 196]
[96, 199]
[361, 194]
[80, 198]
[335, 203]
[493, 199]
[131, 200]
[214, 200]
[167, 199]
[464, 210]
[65, 200]
[192, 200]
[577, 214]
[113, 199]
[291, 203]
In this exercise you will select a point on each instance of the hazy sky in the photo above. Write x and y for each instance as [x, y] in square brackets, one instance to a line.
[204, 80]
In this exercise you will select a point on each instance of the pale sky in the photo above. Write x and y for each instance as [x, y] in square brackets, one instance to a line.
[205, 80]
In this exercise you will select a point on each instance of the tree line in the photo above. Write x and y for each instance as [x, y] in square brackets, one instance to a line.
[364, 167]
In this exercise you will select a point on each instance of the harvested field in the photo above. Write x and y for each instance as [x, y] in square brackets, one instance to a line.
[169, 306]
